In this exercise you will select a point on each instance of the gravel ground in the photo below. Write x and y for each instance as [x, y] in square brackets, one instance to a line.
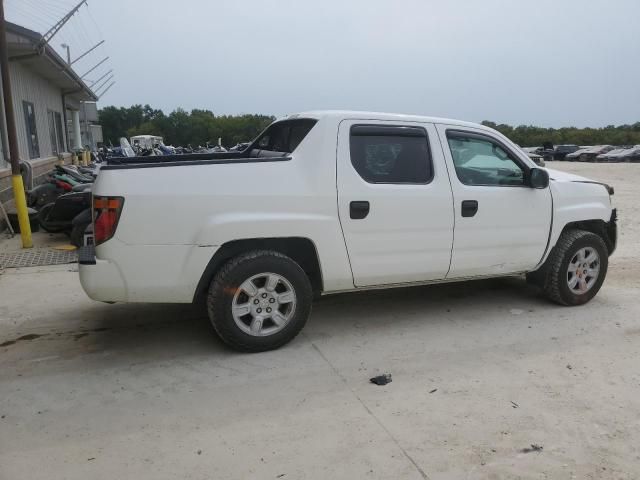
[489, 381]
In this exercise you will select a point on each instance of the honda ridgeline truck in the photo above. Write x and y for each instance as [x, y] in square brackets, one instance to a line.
[327, 202]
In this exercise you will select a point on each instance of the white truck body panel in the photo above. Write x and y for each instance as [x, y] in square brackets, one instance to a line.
[510, 231]
[175, 218]
[408, 234]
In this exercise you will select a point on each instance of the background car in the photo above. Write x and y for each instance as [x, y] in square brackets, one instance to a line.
[573, 157]
[613, 155]
[561, 151]
[532, 153]
[591, 154]
[630, 155]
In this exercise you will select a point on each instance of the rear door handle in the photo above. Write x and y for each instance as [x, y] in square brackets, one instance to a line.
[359, 209]
[469, 208]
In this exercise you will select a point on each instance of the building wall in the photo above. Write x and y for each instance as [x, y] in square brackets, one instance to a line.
[27, 85]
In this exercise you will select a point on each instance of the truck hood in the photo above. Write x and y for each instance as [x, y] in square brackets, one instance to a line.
[558, 176]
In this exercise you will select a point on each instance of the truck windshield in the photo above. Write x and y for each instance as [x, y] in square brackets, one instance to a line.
[284, 136]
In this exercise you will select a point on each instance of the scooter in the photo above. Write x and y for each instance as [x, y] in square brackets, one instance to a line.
[58, 216]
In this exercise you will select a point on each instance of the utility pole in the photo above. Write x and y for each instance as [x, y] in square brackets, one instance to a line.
[16, 177]
[68, 49]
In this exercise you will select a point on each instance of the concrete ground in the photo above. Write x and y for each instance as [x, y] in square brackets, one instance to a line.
[481, 372]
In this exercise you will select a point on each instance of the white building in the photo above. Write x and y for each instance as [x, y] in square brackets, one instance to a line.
[48, 98]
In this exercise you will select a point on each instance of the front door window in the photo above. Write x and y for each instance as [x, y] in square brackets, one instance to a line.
[479, 160]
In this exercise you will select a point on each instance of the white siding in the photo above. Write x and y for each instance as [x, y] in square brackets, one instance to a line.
[29, 86]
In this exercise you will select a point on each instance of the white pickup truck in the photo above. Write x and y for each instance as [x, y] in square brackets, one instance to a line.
[326, 202]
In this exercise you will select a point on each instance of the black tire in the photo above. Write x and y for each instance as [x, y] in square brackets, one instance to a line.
[555, 284]
[227, 282]
[42, 220]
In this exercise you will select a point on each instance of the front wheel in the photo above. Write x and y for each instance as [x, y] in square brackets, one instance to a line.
[259, 301]
[576, 268]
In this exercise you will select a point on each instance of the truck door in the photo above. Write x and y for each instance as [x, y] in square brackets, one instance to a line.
[394, 201]
[501, 224]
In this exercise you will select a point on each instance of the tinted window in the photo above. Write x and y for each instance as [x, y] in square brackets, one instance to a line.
[479, 160]
[390, 154]
[284, 136]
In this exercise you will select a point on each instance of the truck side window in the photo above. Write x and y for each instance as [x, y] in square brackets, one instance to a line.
[284, 136]
[391, 154]
[480, 160]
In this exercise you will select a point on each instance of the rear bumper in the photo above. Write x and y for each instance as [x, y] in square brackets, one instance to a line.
[121, 272]
[100, 279]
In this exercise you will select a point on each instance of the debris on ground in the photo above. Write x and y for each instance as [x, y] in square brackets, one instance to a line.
[30, 336]
[199, 452]
[90, 459]
[569, 366]
[534, 448]
[514, 404]
[381, 379]
[434, 390]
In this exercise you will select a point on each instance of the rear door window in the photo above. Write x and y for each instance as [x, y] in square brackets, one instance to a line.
[391, 154]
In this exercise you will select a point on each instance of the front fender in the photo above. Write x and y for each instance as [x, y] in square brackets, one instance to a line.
[575, 202]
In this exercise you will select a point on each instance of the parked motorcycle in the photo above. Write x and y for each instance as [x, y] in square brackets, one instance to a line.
[58, 216]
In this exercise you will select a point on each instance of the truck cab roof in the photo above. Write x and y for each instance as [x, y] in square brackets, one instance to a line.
[360, 115]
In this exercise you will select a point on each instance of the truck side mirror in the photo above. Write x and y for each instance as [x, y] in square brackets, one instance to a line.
[538, 178]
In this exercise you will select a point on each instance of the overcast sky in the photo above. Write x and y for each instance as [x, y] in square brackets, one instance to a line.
[543, 62]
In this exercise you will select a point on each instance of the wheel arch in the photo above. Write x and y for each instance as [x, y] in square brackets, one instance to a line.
[300, 249]
[598, 227]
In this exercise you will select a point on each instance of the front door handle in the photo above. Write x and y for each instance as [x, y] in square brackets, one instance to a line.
[469, 208]
[359, 209]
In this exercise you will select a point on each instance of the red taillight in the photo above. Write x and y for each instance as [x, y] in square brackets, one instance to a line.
[106, 213]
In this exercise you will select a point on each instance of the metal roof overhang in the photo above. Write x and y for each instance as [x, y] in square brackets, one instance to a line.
[47, 63]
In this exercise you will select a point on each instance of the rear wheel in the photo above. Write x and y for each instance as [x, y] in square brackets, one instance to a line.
[576, 268]
[259, 301]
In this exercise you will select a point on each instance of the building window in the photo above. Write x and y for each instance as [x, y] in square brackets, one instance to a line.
[32, 133]
[59, 132]
[55, 132]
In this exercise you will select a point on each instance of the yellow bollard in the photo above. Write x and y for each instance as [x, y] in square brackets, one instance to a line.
[21, 208]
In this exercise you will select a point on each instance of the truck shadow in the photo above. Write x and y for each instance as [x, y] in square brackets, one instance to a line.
[157, 331]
